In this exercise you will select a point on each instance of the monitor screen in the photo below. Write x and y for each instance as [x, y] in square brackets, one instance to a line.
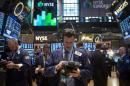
[125, 27]
[2, 44]
[120, 8]
[94, 7]
[90, 46]
[1, 21]
[27, 45]
[45, 15]
[12, 28]
[55, 46]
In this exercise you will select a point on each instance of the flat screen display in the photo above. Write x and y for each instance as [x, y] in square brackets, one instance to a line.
[125, 27]
[45, 15]
[1, 21]
[12, 28]
[94, 7]
[90, 46]
[55, 46]
[121, 9]
[2, 44]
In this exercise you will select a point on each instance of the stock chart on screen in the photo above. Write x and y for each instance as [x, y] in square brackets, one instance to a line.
[45, 15]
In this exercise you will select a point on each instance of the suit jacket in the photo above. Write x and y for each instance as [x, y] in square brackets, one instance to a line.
[85, 69]
[99, 64]
[123, 67]
[19, 77]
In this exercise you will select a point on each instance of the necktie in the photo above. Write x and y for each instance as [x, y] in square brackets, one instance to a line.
[66, 58]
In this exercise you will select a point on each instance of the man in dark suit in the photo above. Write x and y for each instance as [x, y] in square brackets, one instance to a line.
[123, 67]
[100, 72]
[60, 57]
[41, 80]
[17, 65]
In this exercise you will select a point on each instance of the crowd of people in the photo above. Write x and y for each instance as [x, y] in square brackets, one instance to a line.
[67, 66]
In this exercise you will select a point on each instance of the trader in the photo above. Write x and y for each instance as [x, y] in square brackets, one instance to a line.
[123, 67]
[41, 80]
[18, 65]
[60, 57]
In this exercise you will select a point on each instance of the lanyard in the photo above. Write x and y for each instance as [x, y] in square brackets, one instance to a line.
[44, 59]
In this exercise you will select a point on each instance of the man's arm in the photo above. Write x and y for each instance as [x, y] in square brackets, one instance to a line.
[53, 67]
[85, 71]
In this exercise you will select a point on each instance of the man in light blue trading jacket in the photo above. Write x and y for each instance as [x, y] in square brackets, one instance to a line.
[59, 58]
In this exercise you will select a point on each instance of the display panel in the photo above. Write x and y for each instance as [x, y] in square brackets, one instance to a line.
[12, 28]
[27, 45]
[125, 27]
[55, 46]
[90, 46]
[2, 44]
[94, 7]
[45, 15]
[1, 21]
[120, 8]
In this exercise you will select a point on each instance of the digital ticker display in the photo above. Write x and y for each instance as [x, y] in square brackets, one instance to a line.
[45, 14]
[125, 27]
[12, 28]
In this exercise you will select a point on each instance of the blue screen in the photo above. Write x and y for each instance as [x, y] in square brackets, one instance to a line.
[90, 46]
[27, 45]
[2, 44]
[12, 28]
[1, 21]
[125, 27]
[55, 46]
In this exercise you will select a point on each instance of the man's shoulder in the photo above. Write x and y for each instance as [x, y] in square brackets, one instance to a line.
[82, 50]
[57, 51]
[23, 51]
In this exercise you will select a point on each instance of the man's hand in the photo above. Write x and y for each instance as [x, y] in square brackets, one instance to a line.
[60, 65]
[10, 65]
[75, 74]
[37, 69]
[42, 70]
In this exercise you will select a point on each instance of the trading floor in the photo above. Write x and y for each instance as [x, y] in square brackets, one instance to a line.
[112, 81]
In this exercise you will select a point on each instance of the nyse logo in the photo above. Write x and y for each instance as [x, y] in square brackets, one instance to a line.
[41, 38]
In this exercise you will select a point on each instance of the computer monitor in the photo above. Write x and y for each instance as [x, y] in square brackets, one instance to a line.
[12, 27]
[45, 15]
[55, 46]
[125, 28]
[1, 21]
